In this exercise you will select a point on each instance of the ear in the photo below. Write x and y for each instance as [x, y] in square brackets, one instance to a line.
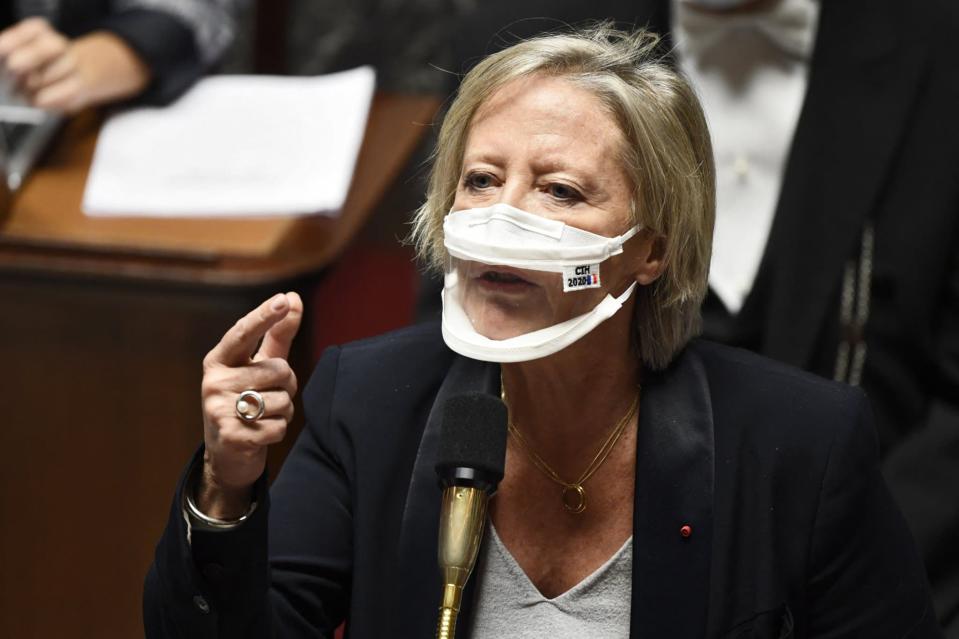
[650, 256]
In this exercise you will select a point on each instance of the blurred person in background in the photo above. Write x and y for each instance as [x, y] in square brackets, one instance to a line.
[408, 41]
[837, 224]
[66, 55]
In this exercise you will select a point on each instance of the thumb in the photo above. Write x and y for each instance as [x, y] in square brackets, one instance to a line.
[277, 341]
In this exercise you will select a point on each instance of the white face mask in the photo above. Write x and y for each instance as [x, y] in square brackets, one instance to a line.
[501, 235]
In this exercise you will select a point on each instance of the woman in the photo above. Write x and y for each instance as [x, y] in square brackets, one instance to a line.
[655, 486]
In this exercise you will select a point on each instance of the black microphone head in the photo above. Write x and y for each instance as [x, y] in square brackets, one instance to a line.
[472, 448]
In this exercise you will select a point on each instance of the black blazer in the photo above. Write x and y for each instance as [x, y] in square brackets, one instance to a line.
[794, 532]
[876, 150]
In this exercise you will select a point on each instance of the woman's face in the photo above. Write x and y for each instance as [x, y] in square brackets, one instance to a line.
[545, 146]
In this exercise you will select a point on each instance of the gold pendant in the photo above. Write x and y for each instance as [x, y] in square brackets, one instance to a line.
[574, 498]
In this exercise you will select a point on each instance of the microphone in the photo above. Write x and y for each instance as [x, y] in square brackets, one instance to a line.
[470, 463]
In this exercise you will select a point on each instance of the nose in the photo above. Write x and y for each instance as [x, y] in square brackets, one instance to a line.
[515, 194]
[521, 194]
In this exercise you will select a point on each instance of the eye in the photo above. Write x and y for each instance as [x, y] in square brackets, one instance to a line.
[564, 192]
[477, 181]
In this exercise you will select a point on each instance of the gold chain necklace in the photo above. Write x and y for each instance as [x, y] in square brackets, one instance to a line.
[573, 495]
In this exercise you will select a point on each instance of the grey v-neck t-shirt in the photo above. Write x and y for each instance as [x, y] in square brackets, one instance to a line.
[509, 605]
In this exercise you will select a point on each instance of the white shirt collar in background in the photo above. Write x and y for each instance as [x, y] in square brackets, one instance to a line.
[751, 72]
[790, 24]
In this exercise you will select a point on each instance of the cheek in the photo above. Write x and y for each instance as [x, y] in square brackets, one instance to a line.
[564, 305]
[614, 279]
[466, 199]
[620, 270]
[569, 304]
[459, 200]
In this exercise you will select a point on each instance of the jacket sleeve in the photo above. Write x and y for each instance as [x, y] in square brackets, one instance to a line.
[923, 469]
[286, 571]
[865, 577]
[179, 40]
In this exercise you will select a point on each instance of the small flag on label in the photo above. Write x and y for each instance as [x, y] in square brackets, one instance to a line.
[577, 278]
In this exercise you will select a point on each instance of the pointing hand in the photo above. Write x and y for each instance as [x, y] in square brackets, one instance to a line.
[236, 449]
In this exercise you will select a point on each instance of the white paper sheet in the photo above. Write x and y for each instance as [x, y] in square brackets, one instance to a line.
[235, 146]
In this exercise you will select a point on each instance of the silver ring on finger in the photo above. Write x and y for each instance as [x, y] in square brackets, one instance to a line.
[250, 406]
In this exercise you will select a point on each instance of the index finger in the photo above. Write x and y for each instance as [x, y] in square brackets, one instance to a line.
[277, 341]
[240, 341]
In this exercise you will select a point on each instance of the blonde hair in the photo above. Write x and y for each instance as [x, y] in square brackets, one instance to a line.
[667, 154]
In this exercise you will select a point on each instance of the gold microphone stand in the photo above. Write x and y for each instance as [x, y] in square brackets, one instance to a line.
[462, 520]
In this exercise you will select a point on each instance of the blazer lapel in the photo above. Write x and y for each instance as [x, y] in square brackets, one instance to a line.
[674, 489]
[862, 83]
[417, 577]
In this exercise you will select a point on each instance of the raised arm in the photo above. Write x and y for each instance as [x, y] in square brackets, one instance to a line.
[284, 570]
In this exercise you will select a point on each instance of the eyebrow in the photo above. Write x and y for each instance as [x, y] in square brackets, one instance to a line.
[541, 166]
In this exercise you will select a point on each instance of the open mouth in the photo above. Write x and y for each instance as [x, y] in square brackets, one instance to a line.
[499, 277]
[503, 279]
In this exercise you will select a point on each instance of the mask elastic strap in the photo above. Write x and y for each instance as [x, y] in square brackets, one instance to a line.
[625, 296]
[628, 235]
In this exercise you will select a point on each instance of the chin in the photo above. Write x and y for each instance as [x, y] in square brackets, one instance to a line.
[498, 332]
[495, 321]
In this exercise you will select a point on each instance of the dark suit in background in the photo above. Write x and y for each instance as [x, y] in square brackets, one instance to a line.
[869, 207]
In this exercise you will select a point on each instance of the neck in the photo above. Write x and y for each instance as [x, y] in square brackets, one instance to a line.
[566, 404]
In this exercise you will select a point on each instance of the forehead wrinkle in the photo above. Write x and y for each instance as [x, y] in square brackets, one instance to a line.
[483, 156]
[552, 136]
[548, 151]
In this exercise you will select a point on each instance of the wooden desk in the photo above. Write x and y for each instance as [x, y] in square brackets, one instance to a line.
[103, 324]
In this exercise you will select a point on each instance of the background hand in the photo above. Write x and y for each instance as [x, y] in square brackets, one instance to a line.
[68, 75]
[236, 450]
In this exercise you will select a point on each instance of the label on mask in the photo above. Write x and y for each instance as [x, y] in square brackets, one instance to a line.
[577, 278]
